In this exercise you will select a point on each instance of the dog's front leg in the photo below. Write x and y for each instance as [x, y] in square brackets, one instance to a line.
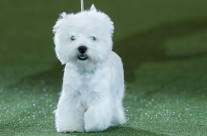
[69, 114]
[98, 117]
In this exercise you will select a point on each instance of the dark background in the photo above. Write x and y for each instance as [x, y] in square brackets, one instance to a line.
[163, 45]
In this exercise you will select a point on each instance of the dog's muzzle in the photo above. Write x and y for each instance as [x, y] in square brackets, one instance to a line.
[82, 53]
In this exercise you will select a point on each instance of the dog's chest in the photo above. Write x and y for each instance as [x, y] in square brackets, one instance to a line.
[86, 90]
[86, 86]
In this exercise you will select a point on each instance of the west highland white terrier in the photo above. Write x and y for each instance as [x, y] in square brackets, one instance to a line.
[93, 82]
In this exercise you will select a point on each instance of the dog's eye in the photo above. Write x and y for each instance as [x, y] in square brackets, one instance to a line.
[72, 38]
[93, 38]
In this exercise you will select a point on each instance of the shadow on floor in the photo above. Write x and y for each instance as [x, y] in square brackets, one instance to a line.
[128, 131]
[149, 46]
[113, 131]
[122, 131]
[136, 50]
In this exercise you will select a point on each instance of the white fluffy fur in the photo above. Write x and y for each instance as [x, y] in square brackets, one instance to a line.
[93, 89]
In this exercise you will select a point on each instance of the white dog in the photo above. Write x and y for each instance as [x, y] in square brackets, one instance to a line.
[93, 83]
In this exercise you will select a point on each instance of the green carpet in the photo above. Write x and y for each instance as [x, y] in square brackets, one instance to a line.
[163, 45]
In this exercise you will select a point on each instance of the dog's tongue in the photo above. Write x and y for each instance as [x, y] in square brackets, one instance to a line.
[82, 57]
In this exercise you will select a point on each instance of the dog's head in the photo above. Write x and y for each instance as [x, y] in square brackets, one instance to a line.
[83, 37]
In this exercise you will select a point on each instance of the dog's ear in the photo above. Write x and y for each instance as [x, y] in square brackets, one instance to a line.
[93, 8]
[60, 20]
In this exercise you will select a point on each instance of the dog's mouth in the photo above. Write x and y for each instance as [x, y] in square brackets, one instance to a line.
[82, 57]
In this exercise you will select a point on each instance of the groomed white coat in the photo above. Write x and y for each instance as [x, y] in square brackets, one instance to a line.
[93, 82]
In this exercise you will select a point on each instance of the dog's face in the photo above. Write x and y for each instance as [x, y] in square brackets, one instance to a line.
[83, 37]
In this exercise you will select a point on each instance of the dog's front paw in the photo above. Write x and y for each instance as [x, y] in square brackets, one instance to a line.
[95, 126]
[65, 125]
[94, 122]
[69, 130]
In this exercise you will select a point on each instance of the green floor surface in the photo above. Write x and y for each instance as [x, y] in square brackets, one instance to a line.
[163, 45]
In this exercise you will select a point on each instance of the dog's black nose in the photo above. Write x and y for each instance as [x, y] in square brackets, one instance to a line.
[82, 49]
